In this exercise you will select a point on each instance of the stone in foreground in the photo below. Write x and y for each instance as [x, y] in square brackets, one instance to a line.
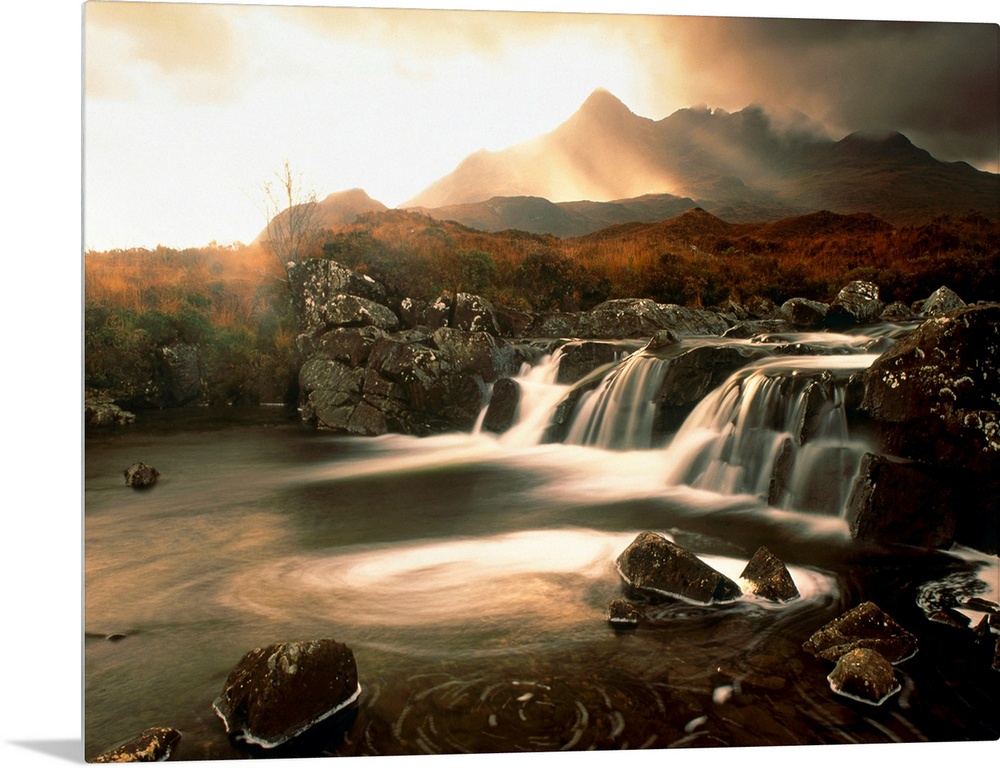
[656, 567]
[865, 626]
[140, 475]
[277, 693]
[769, 578]
[154, 745]
[864, 675]
[622, 614]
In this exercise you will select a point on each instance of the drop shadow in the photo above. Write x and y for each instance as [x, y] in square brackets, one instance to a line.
[70, 750]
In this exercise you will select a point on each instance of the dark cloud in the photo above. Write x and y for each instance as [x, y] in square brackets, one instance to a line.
[936, 82]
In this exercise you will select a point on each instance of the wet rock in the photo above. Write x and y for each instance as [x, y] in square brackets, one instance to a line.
[277, 693]
[864, 675]
[900, 502]
[154, 745]
[865, 626]
[581, 358]
[934, 397]
[140, 475]
[641, 318]
[654, 566]
[502, 409]
[622, 614]
[803, 313]
[857, 302]
[769, 578]
[748, 329]
[938, 303]
[476, 352]
[950, 618]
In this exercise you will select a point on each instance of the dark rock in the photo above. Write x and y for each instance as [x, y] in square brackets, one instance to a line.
[577, 359]
[180, 375]
[982, 604]
[943, 300]
[864, 675]
[803, 313]
[140, 475]
[277, 693]
[345, 309]
[554, 325]
[641, 318]
[656, 567]
[951, 618]
[622, 614]
[416, 313]
[154, 745]
[898, 312]
[474, 314]
[477, 352]
[512, 323]
[857, 302]
[748, 329]
[346, 345]
[314, 282]
[900, 502]
[865, 626]
[502, 410]
[662, 339]
[769, 578]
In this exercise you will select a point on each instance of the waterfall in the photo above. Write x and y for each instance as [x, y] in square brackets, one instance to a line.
[776, 429]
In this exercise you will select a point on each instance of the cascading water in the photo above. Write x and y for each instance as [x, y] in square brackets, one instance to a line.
[776, 429]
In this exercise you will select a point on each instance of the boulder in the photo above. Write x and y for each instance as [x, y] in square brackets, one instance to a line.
[901, 502]
[622, 614]
[277, 693]
[477, 352]
[101, 411]
[314, 282]
[140, 475]
[940, 302]
[864, 626]
[656, 567]
[641, 318]
[345, 309]
[474, 314]
[153, 745]
[864, 675]
[502, 410]
[857, 302]
[898, 312]
[577, 359]
[416, 313]
[346, 345]
[767, 577]
[803, 313]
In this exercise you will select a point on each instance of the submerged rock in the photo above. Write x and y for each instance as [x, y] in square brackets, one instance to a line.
[864, 675]
[622, 614]
[865, 626]
[277, 693]
[655, 566]
[140, 475]
[769, 578]
[154, 745]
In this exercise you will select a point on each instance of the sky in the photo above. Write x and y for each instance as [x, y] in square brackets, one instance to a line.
[190, 109]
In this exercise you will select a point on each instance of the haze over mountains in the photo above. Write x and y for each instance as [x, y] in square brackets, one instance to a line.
[606, 165]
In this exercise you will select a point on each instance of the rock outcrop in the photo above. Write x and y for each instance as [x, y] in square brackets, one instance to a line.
[277, 693]
[934, 397]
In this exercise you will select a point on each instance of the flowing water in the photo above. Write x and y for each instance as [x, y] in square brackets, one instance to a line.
[471, 573]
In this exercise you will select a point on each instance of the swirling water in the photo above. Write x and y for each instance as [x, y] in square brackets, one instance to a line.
[471, 575]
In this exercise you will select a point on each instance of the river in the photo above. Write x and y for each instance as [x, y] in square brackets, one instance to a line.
[471, 575]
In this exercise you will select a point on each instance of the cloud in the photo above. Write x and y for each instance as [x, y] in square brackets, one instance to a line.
[937, 82]
[188, 48]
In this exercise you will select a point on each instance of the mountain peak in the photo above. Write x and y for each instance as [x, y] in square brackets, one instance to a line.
[601, 102]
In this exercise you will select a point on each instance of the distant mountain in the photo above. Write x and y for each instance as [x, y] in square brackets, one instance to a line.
[536, 214]
[337, 210]
[742, 166]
